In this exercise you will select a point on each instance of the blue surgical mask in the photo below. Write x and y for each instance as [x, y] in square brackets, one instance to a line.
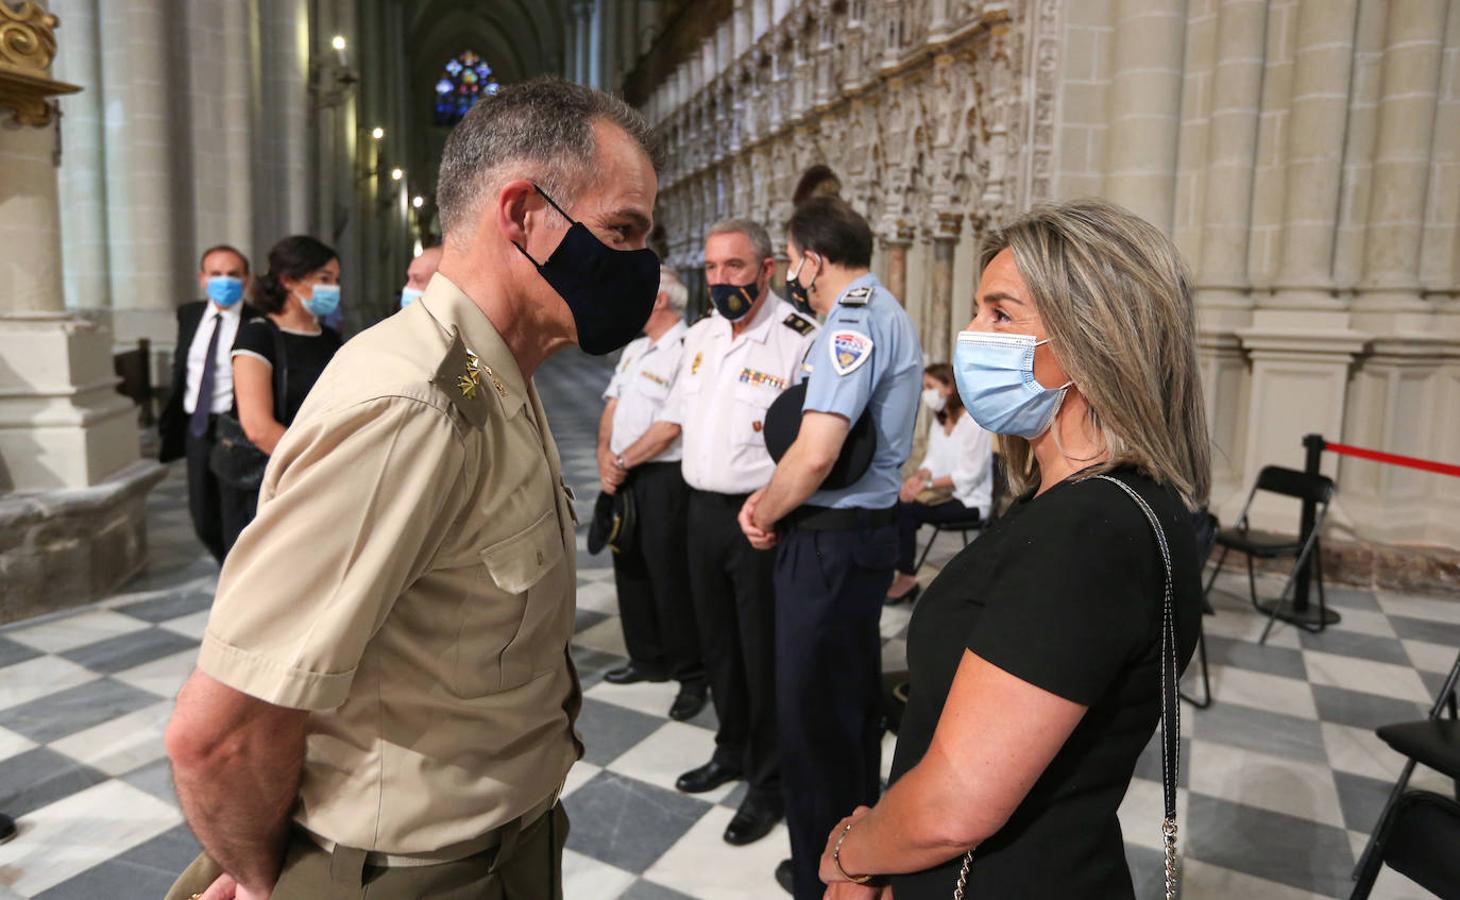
[324, 300]
[995, 376]
[409, 295]
[225, 290]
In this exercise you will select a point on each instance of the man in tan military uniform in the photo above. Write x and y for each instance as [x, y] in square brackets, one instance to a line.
[384, 695]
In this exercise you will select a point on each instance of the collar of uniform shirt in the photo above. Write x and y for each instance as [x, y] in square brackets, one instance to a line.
[676, 331]
[449, 306]
[760, 324]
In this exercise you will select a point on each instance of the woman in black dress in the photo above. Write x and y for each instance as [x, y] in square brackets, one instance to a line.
[1035, 667]
[301, 287]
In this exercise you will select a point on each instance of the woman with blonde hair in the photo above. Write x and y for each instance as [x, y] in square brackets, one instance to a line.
[1044, 654]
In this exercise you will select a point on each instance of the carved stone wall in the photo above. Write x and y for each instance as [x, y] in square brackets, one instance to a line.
[1304, 154]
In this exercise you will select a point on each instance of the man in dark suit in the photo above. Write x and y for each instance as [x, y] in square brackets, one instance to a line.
[202, 382]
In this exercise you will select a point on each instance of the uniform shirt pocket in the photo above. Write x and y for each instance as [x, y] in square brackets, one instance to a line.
[504, 623]
[751, 402]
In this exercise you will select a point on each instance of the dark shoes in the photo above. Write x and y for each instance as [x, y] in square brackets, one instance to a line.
[706, 778]
[7, 829]
[911, 596]
[753, 820]
[786, 876]
[632, 674]
[688, 704]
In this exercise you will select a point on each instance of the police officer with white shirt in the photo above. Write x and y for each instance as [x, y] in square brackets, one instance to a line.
[837, 546]
[736, 362]
[651, 570]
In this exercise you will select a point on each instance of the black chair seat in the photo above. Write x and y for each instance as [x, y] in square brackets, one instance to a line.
[1423, 835]
[1431, 742]
[1255, 545]
[967, 523]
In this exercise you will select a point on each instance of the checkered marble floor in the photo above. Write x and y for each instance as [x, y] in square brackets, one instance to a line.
[1281, 779]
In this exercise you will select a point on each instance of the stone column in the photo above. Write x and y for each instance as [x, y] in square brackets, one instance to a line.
[83, 166]
[1223, 292]
[71, 488]
[1320, 95]
[1145, 108]
[896, 245]
[939, 329]
[1411, 82]
[149, 261]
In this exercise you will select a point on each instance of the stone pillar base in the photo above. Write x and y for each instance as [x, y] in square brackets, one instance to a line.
[62, 422]
[68, 547]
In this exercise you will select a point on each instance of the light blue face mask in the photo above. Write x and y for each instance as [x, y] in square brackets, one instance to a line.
[225, 290]
[409, 295]
[995, 376]
[325, 300]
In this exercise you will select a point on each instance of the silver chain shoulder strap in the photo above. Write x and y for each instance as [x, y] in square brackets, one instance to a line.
[1170, 708]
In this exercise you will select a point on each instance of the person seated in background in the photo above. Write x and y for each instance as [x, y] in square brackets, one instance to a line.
[953, 484]
[301, 287]
[418, 275]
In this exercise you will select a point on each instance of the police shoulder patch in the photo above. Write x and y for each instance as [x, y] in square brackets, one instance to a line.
[799, 325]
[849, 350]
[857, 296]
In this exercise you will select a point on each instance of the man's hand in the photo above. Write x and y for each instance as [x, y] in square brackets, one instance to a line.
[610, 474]
[910, 489]
[759, 538]
[226, 888]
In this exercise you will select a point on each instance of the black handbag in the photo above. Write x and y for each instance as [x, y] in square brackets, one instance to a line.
[236, 461]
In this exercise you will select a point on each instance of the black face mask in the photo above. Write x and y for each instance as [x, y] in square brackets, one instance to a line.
[733, 300]
[798, 293]
[609, 292]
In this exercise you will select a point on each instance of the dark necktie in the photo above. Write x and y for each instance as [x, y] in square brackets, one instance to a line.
[198, 424]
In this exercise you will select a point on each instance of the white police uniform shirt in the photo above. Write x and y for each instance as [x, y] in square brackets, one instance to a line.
[228, 321]
[868, 357]
[724, 387]
[641, 385]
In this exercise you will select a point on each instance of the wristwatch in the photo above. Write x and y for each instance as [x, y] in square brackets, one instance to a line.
[619, 461]
[928, 484]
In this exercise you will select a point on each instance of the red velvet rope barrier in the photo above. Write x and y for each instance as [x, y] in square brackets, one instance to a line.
[1394, 459]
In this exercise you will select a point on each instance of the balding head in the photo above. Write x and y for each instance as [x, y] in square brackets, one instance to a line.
[419, 272]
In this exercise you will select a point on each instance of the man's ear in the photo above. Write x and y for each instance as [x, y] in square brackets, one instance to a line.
[661, 302]
[510, 212]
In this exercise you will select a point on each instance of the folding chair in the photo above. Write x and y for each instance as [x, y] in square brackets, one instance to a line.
[973, 522]
[1418, 831]
[1207, 527]
[1315, 489]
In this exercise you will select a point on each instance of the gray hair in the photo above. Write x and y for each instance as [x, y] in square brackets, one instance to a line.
[755, 232]
[673, 289]
[540, 129]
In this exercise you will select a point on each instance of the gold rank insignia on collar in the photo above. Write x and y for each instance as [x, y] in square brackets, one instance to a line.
[694, 368]
[469, 381]
[460, 376]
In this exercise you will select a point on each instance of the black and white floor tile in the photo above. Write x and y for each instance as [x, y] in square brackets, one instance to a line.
[1282, 778]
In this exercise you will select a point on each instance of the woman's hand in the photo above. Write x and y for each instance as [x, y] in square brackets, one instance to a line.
[830, 872]
[845, 890]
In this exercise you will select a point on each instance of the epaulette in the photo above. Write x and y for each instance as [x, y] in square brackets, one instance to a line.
[799, 325]
[466, 381]
[857, 296]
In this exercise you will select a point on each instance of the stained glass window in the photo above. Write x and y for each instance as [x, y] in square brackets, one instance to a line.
[465, 79]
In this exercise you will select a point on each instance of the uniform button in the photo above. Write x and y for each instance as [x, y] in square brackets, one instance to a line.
[756, 427]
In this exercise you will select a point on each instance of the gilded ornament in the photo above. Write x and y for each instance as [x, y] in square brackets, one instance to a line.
[27, 46]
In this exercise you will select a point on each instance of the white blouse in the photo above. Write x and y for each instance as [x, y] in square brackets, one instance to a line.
[967, 455]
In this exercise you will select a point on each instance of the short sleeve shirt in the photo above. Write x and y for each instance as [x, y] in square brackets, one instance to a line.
[1063, 592]
[409, 580]
[725, 385]
[867, 358]
[306, 356]
[641, 384]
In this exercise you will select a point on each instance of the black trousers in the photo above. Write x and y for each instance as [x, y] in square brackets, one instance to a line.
[205, 503]
[239, 508]
[655, 606]
[911, 517]
[829, 591]
[734, 599]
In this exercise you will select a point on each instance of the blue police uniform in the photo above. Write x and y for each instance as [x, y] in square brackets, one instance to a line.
[833, 568]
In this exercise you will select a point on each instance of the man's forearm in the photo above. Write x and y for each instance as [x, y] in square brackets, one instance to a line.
[651, 443]
[795, 480]
[605, 426]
